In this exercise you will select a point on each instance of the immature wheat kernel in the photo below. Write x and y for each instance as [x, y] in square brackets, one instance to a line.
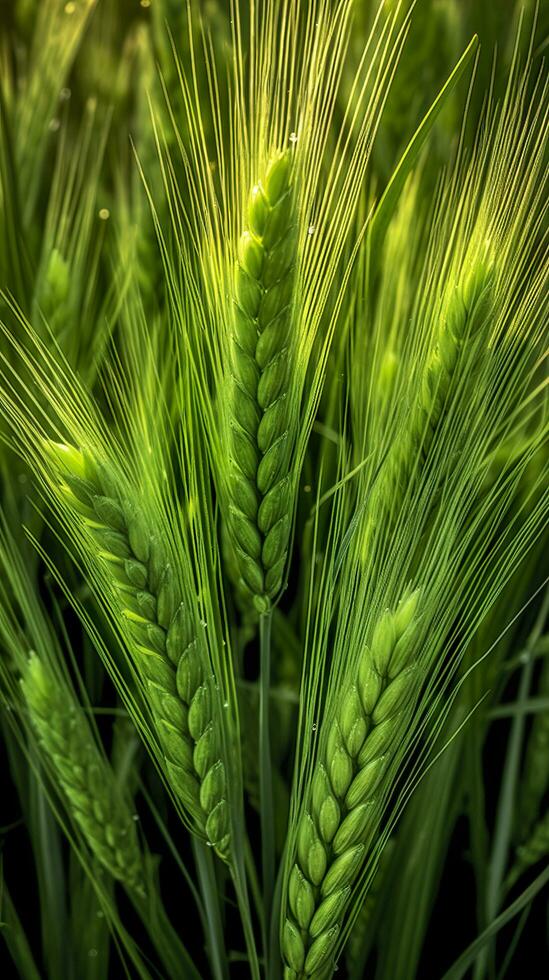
[334, 829]
[166, 642]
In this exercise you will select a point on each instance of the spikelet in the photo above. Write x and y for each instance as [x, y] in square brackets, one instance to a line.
[167, 645]
[260, 428]
[87, 781]
[335, 826]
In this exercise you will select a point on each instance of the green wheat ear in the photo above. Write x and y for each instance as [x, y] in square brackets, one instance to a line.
[334, 830]
[167, 645]
[466, 314]
[85, 777]
[460, 342]
[261, 430]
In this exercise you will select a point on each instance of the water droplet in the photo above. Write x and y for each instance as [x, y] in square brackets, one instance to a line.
[92, 953]
[145, 3]
[307, 488]
[209, 843]
[70, 7]
[225, 704]
[311, 230]
[293, 137]
[314, 726]
[104, 214]
[135, 817]
[64, 94]
[54, 125]
[203, 623]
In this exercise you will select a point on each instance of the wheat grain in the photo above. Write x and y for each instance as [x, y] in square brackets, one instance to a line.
[85, 777]
[334, 828]
[259, 424]
[166, 642]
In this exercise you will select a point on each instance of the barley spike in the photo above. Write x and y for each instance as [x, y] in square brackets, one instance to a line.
[333, 831]
[166, 642]
[465, 314]
[87, 781]
[260, 429]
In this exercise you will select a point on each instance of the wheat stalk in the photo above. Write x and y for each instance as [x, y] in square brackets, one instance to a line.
[536, 775]
[85, 778]
[167, 646]
[260, 429]
[334, 828]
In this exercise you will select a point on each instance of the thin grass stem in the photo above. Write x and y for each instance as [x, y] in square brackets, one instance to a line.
[172, 954]
[210, 893]
[265, 766]
[505, 811]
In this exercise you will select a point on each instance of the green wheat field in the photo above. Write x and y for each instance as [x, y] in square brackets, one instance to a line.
[274, 489]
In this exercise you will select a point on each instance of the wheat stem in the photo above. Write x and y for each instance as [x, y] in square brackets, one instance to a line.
[265, 766]
[212, 918]
[171, 951]
[536, 770]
